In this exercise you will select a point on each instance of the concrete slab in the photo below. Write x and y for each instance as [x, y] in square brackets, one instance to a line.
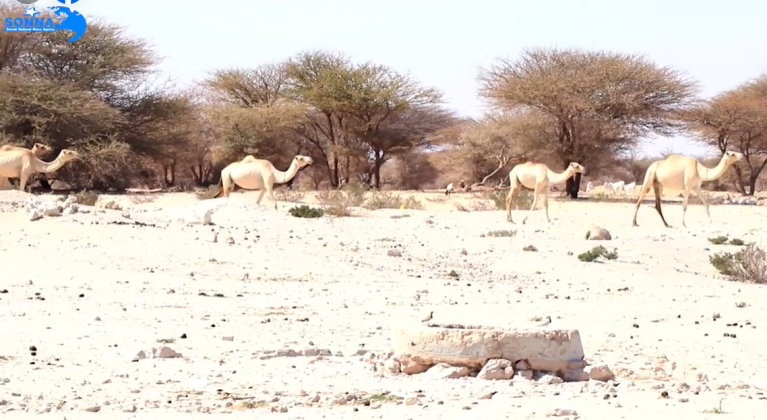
[542, 348]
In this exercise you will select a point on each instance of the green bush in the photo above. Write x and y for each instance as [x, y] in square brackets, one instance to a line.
[598, 252]
[748, 265]
[306, 212]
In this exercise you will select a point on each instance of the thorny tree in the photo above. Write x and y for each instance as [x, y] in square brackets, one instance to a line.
[593, 100]
[736, 120]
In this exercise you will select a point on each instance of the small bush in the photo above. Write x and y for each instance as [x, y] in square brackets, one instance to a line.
[87, 198]
[523, 200]
[737, 242]
[208, 193]
[748, 265]
[501, 233]
[290, 196]
[387, 200]
[306, 212]
[530, 248]
[598, 252]
[719, 240]
[338, 210]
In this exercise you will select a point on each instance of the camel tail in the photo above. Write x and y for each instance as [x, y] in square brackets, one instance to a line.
[220, 186]
[649, 176]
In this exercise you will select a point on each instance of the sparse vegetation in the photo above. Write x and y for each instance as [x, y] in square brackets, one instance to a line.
[721, 240]
[598, 252]
[501, 233]
[749, 265]
[289, 196]
[306, 212]
[87, 198]
[383, 397]
[530, 248]
[389, 200]
[166, 340]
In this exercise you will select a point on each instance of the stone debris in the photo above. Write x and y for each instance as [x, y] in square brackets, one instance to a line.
[162, 352]
[37, 209]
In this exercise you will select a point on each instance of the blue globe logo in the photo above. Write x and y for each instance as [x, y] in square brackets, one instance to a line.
[68, 1]
[72, 21]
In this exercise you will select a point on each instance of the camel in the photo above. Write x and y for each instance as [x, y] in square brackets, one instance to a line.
[21, 163]
[537, 177]
[618, 187]
[682, 173]
[630, 188]
[449, 189]
[258, 174]
[38, 149]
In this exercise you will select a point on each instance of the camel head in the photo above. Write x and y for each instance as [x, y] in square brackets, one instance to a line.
[731, 157]
[302, 161]
[576, 168]
[67, 155]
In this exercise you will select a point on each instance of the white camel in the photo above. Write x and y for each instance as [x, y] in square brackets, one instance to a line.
[537, 177]
[682, 173]
[630, 188]
[22, 163]
[258, 174]
[618, 187]
[589, 186]
[449, 189]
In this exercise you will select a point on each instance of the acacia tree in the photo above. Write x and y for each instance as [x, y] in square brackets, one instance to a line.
[737, 121]
[592, 100]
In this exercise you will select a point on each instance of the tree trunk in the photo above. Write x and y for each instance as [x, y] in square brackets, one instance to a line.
[739, 177]
[752, 183]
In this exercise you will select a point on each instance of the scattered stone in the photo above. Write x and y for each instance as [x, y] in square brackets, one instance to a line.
[163, 352]
[497, 369]
[599, 373]
[444, 371]
[596, 233]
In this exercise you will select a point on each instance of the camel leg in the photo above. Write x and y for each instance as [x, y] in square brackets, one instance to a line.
[536, 192]
[270, 190]
[642, 193]
[23, 177]
[260, 195]
[703, 200]
[546, 203]
[658, 191]
[510, 199]
[685, 200]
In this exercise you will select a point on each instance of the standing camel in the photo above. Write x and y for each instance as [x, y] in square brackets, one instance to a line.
[22, 163]
[38, 149]
[537, 177]
[258, 174]
[682, 173]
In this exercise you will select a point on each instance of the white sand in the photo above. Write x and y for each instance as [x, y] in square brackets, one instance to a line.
[336, 273]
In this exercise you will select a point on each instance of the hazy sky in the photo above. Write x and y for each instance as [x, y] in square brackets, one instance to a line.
[443, 43]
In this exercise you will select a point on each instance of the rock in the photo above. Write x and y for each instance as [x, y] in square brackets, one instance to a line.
[163, 352]
[35, 214]
[228, 338]
[550, 379]
[547, 350]
[394, 253]
[497, 369]
[596, 233]
[524, 374]
[130, 408]
[93, 409]
[599, 373]
[411, 401]
[410, 367]
[561, 412]
[444, 371]
[52, 211]
[392, 365]
[576, 375]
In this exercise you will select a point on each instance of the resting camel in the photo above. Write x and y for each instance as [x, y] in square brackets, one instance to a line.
[21, 163]
[682, 173]
[258, 174]
[38, 149]
[537, 177]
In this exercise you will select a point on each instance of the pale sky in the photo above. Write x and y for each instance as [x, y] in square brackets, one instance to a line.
[443, 43]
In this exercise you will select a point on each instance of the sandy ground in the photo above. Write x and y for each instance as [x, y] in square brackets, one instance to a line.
[89, 291]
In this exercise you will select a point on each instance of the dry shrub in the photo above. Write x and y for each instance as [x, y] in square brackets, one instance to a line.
[143, 198]
[207, 193]
[438, 199]
[290, 196]
[87, 198]
[460, 207]
[388, 200]
[523, 200]
[748, 265]
[483, 206]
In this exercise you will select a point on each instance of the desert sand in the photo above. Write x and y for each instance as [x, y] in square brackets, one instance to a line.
[91, 291]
